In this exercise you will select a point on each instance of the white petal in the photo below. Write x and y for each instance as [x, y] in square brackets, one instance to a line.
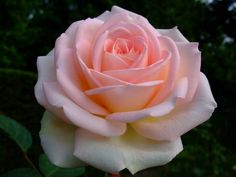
[130, 151]
[57, 139]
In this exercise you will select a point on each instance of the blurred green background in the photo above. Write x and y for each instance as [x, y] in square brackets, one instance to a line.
[29, 29]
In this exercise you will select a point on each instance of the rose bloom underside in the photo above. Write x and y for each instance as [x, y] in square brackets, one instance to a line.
[119, 93]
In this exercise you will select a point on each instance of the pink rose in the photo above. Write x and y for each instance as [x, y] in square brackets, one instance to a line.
[119, 93]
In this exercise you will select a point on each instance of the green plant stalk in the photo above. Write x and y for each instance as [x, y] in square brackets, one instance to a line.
[32, 164]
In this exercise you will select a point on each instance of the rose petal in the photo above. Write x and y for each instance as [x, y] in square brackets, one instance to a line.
[142, 60]
[104, 15]
[84, 39]
[98, 51]
[190, 61]
[106, 80]
[62, 43]
[133, 23]
[46, 72]
[168, 44]
[98, 48]
[71, 31]
[155, 111]
[115, 9]
[92, 82]
[123, 20]
[145, 74]
[182, 119]
[68, 78]
[51, 53]
[113, 62]
[130, 30]
[119, 98]
[153, 47]
[80, 117]
[173, 33]
[57, 139]
[109, 23]
[130, 151]
[119, 31]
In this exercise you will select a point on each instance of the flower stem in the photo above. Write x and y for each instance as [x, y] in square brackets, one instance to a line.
[32, 164]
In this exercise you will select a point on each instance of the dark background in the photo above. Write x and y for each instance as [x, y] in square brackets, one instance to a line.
[29, 29]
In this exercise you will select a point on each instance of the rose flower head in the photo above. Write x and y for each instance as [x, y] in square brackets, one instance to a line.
[119, 93]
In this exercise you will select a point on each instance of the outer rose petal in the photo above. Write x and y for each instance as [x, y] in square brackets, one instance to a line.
[183, 119]
[84, 39]
[69, 80]
[46, 72]
[130, 151]
[57, 139]
[173, 33]
[189, 65]
[105, 15]
[115, 9]
[78, 116]
[71, 31]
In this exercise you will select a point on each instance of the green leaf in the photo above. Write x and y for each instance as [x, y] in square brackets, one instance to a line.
[16, 132]
[21, 172]
[50, 170]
